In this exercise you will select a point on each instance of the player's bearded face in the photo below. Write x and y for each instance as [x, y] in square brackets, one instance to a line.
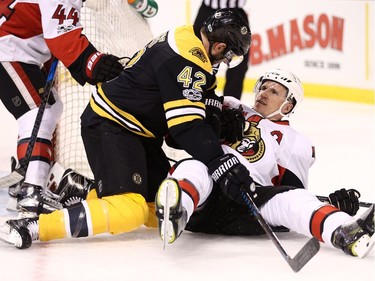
[216, 59]
[270, 97]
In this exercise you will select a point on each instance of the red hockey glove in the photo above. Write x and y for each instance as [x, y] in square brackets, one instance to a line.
[102, 67]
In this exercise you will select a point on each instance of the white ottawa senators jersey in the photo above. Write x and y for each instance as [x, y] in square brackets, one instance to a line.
[31, 30]
[276, 153]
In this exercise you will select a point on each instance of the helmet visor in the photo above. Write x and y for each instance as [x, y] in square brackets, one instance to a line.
[231, 59]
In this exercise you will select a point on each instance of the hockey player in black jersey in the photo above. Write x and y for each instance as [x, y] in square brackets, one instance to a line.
[166, 91]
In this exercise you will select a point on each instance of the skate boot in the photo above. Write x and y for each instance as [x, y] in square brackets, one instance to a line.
[172, 217]
[34, 200]
[73, 188]
[356, 237]
[21, 232]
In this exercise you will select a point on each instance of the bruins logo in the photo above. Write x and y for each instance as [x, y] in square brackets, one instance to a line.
[252, 146]
[198, 52]
[137, 179]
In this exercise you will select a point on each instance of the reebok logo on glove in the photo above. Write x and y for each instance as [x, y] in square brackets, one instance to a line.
[224, 167]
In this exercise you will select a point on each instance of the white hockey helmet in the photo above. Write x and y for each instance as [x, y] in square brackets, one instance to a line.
[289, 81]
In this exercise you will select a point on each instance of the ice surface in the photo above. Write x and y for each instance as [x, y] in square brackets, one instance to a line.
[344, 135]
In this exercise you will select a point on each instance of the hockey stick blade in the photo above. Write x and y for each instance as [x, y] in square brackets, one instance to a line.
[302, 257]
[13, 178]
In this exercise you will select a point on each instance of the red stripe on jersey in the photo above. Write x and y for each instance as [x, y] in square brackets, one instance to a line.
[25, 21]
[190, 190]
[42, 150]
[276, 180]
[255, 118]
[318, 218]
[27, 82]
[282, 122]
[68, 46]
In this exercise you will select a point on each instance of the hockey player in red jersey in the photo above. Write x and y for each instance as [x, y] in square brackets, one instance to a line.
[166, 89]
[278, 159]
[30, 33]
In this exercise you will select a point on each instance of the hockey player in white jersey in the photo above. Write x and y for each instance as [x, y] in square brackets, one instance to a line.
[278, 159]
[30, 33]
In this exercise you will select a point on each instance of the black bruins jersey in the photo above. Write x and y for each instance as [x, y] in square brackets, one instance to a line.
[162, 91]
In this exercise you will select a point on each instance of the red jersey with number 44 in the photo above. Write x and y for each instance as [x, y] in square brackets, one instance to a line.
[31, 30]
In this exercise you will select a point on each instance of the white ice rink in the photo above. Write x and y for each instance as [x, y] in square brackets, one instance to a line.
[344, 135]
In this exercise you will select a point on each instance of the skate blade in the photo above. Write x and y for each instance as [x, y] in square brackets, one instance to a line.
[168, 198]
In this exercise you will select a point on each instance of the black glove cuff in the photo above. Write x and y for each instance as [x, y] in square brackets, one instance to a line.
[220, 166]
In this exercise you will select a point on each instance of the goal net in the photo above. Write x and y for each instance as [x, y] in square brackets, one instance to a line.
[112, 26]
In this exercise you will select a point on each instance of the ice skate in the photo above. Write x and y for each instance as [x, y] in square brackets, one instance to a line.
[171, 215]
[20, 232]
[73, 188]
[356, 238]
[34, 200]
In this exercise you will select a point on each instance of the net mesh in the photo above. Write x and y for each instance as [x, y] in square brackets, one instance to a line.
[112, 26]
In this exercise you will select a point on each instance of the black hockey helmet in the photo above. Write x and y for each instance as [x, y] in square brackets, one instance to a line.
[230, 27]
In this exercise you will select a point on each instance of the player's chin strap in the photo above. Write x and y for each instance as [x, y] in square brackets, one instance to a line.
[279, 111]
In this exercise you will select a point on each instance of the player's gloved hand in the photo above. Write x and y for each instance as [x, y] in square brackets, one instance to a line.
[214, 105]
[102, 67]
[232, 125]
[346, 200]
[231, 175]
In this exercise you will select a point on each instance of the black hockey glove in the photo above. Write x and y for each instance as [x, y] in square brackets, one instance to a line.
[214, 105]
[231, 175]
[345, 200]
[233, 125]
[102, 67]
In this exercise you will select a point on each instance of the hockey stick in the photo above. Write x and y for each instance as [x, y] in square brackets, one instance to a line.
[361, 204]
[19, 174]
[302, 257]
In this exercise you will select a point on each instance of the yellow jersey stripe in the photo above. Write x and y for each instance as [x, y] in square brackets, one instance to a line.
[183, 119]
[180, 111]
[103, 107]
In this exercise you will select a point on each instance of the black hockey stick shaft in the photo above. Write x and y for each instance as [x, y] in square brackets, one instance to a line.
[302, 257]
[19, 174]
[361, 204]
